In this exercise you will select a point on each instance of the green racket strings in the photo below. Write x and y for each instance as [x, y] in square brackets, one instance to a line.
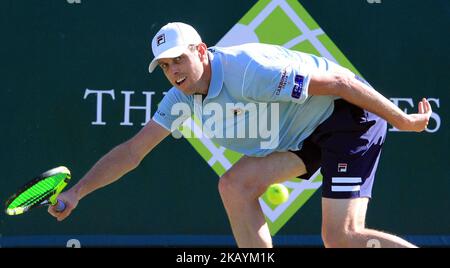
[37, 192]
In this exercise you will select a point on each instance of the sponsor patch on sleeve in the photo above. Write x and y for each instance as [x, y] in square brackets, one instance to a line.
[298, 87]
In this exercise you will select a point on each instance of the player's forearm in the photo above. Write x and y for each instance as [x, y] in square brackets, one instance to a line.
[354, 91]
[121, 159]
[364, 96]
[107, 170]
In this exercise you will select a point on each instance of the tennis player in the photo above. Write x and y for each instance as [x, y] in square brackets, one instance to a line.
[329, 118]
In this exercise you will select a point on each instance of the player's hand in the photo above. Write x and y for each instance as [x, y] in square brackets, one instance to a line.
[70, 199]
[419, 121]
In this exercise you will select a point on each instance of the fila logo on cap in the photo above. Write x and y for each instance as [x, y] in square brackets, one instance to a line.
[161, 39]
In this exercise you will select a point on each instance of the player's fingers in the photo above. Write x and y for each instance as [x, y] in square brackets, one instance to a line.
[424, 102]
[421, 107]
[64, 214]
[428, 107]
[51, 211]
[61, 218]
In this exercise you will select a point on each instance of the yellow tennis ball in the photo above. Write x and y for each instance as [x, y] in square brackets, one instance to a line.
[277, 194]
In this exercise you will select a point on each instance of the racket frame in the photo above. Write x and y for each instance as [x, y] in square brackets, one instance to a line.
[49, 200]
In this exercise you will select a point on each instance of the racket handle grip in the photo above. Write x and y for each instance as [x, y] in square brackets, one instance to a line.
[60, 206]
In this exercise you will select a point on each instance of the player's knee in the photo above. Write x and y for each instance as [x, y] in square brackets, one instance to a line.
[227, 185]
[232, 185]
[335, 238]
[338, 237]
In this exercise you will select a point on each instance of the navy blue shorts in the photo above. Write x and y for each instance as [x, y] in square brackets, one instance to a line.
[347, 147]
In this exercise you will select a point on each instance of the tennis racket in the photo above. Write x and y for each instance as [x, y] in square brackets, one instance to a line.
[42, 190]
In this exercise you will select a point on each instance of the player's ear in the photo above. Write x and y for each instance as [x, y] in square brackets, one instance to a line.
[202, 51]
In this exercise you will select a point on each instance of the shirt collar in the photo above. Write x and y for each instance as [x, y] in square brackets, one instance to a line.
[216, 83]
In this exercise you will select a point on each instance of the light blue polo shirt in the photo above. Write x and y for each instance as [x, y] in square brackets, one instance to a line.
[257, 102]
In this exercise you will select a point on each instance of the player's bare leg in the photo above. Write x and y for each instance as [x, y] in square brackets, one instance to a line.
[242, 185]
[343, 225]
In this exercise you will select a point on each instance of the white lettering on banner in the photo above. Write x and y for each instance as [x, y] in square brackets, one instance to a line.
[216, 127]
[410, 101]
[99, 94]
[435, 116]
[128, 107]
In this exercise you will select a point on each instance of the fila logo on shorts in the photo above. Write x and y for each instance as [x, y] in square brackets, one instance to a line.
[342, 167]
[346, 184]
